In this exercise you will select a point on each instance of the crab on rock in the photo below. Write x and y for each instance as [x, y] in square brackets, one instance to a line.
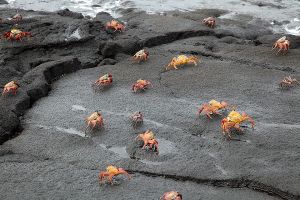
[115, 25]
[282, 44]
[210, 22]
[182, 60]
[233, 120]
[288, 82]
[172, 195]
[16, 34]
[141, 55]
[212, 107]
[137, 119]
[149, 140]
[95, 120]
[140, 85]
[10, 87]
[110, 172]
[17, 17]
[103, 81]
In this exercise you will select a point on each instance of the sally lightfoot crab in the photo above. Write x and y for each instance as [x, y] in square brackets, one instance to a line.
[282, 45]
[233, 121]
[172, 195]
[95, 120]
[137, 119]
[149, 140]
[212, 107]
[288, 82]
[182, 60]
[16, 35]
[104, 81]
[210, 22]
[10, 87]
[115, 25]
[17, 17]
[141, 55]
[111, 171]
[140, 85]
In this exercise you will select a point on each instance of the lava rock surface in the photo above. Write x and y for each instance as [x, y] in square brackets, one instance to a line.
[52, 158]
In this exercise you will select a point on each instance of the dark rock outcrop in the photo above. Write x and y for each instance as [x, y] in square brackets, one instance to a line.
[3, 2]
[236, 65]
[67, 13]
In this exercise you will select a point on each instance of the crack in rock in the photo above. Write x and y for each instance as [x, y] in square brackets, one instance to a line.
[230, 183]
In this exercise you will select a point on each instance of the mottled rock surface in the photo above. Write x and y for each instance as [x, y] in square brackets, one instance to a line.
[52, 159]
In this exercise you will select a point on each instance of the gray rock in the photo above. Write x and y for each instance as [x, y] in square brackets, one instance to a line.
[108, 61]
[3, 2]
[103, 17]
[236, 65]
[67, 13]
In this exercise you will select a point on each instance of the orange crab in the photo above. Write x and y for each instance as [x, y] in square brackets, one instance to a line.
[233, 120]
[16, 34]
[212, 108]
[182, 60]
[103, 81]
[95, 120]
[137, 119]
[115, 25]
[110, 172]
[140, 85]
[282, 44]
[288, 82]
[210, 22]
[10, 87]
[141, 55]
[172, 195]
[149, 140]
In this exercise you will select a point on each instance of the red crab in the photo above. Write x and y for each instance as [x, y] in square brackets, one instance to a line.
[10, 87]
[141, 55]
[115, 25]
[288, 82]
[110, 172]
[282, 44]
[210, 22]
[95, 120]
[103, 81]
[233, 120]
[140, 85]
[172, 195]
[137, 119]
[212, 107]
[16, 34]
[149, 140]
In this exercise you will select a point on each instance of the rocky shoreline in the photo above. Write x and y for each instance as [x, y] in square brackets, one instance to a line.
[66, 42]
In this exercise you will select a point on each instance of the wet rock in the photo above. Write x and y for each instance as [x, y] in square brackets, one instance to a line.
[54, 130]
[110, 49]
[37, 62]
[229, 40]
[37, 89]
[108, 61]
[3, 2]
[103, 17]
[264, 4]
[90, 62]
[9, 123]
[127, 46]
[67, 13]
[53, 69]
